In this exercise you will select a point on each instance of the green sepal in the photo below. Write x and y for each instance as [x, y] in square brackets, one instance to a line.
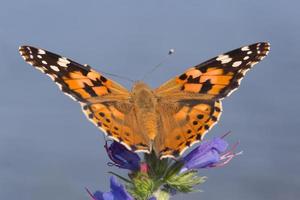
[161, 195]
[142, 186]
[184, 182]
[173, 170]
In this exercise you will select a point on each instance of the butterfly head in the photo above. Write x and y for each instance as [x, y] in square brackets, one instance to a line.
[142, 94]
[140, 86]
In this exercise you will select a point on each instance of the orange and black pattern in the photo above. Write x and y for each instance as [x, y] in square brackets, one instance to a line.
[221, 75]
[186, 107]
[77, 81]
[193, 121]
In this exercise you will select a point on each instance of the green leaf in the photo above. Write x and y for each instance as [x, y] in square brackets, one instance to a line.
[185, 181]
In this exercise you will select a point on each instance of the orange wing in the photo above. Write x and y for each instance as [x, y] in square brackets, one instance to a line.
[104, 102]
[217, 77]
[197, 93]
[184, 126]
[80, 82]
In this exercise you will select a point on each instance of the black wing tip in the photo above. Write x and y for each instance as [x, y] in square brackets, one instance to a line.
[264, 44]
[23, 47]
[30, 49]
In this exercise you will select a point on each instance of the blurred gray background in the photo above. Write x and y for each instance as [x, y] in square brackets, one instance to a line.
[49, 150]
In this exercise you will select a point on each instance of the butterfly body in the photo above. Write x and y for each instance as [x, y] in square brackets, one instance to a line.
[145, 106]
[168, 119]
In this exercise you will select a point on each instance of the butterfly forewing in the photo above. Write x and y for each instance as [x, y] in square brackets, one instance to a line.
[219, 76]
[80, 82]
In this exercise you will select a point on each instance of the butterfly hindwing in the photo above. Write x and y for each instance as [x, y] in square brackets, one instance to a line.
[186, 126]
[118, 121]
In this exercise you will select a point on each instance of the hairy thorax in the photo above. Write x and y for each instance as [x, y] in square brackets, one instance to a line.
[145, 106]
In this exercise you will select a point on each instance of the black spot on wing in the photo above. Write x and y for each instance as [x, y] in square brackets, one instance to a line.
[182, 77]
[103, 79]
[193, 80]
[89, 90]
[206, 86]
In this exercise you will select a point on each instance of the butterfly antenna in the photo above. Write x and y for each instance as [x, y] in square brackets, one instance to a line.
[114, 75]
[171, 51]
[117, 76]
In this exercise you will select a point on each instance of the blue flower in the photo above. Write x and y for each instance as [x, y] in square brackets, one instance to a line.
[122, 157]
[208, 154]
[118, 192]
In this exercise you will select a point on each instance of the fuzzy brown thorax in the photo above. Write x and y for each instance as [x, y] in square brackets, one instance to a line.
[145, 105]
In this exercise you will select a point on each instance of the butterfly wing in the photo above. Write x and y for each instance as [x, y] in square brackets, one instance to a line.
[202, 87]
[104, 102]
[183, 124]
[118, 121]
[217, 77]
[80, 82]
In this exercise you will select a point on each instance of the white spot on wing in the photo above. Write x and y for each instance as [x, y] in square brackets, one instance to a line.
[41, 69]
[246, 48]
[39, 56]
[224, 59]
[253, 63]
[44, 62]
[249, 52]
[246, 58]
[236, 63]
[41, 51]
[53, 67]
[63, 62]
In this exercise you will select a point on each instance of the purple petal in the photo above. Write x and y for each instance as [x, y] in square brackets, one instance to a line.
[103, 196]
[205, 155]
[122, 157]
[118, 190]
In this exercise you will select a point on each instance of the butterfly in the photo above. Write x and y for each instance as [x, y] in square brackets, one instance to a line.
[168, 119]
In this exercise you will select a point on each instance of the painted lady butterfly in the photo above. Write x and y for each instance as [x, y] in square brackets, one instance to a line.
[168, 119]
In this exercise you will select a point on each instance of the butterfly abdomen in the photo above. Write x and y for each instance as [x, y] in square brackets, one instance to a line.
[149, 124]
